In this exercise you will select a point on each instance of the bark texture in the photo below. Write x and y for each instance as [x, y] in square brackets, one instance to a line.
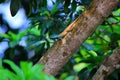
[108, 66]
[75, 34]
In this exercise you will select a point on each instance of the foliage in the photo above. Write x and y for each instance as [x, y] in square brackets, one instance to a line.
[26, 71]
[46, 25]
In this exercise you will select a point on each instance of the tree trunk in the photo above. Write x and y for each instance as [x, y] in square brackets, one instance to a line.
[108, 66]
[75, 34]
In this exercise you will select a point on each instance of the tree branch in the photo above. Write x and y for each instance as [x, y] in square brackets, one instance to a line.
[75, 34]
[108, 66]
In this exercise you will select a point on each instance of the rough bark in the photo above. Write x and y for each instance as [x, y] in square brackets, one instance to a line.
[108, 66]
[75, 34]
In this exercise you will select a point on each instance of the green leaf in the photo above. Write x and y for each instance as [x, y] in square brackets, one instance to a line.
[112, 20]
[37, 68]
[13, 44]
[45, 13]
[16, 69]
[6, 74]
[5, 36]
[70, 78]
[80, 66]
[1, 64]
[26, 67]
[54, 8]
[35, 31]
[116, 28]
[21, 34]
[63, 75]
[12, 35]
[92, 53]
[116, 12]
